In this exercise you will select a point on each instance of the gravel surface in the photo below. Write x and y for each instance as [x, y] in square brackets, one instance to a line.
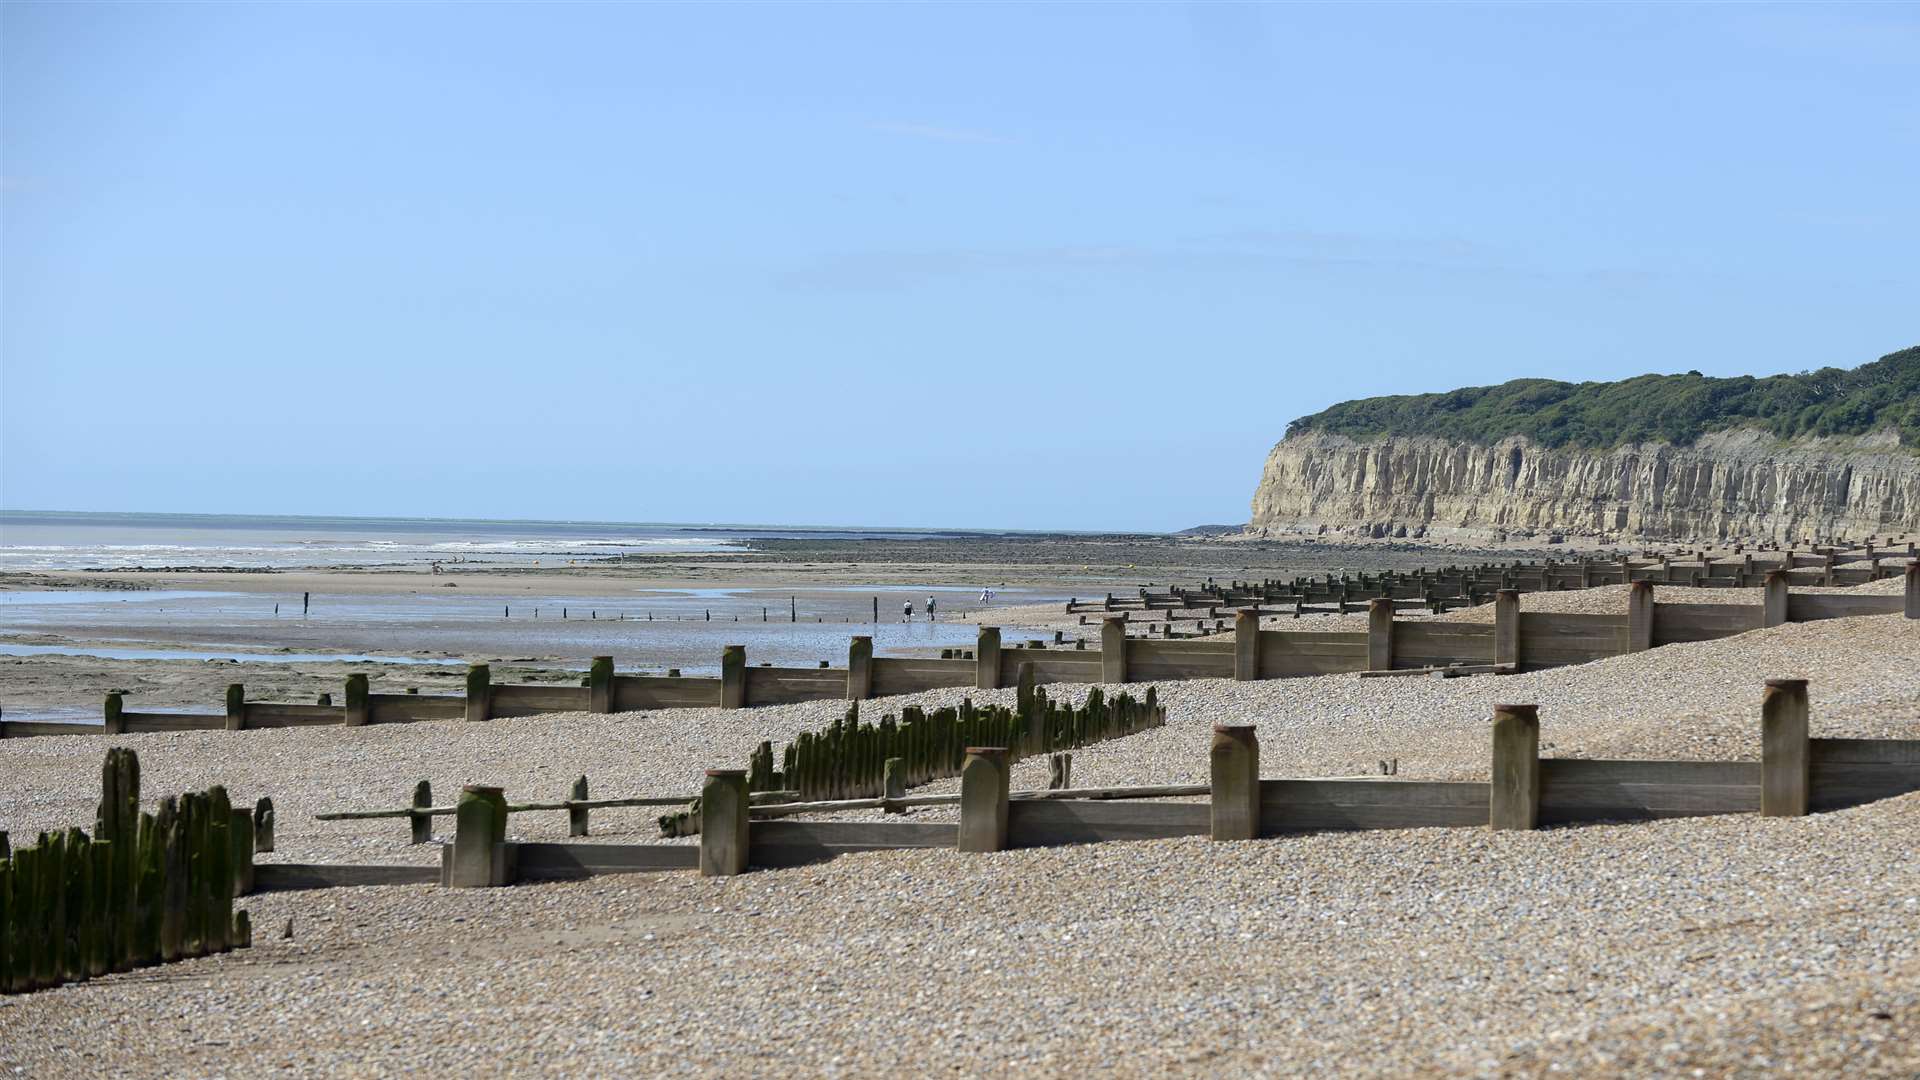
[1733, 945]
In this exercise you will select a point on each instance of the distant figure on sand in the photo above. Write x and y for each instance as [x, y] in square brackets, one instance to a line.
[906, 611]
[929, 609]
[986, 596]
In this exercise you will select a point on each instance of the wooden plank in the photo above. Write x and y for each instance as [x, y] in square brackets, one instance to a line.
[269, 715]
[568, 862]
[1047, 824]
[1675, 623]
[779, 685]
[898, 675]
[1050, 665]
[1147, 659]
[1837, 785]
[1309, 638]
[28, 729]
[632, 693]
[523, 699]
[796, 843]
[407, 708]
[289, 877]
[1864, 751]
[138, 722]
[1316, 805]
[1811, 607]
[1573, 789]
[1431, 644]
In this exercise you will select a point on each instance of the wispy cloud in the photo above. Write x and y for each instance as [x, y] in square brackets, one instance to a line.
[939, 134]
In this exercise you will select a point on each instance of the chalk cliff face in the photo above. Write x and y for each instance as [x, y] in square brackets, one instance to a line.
[1728, 484]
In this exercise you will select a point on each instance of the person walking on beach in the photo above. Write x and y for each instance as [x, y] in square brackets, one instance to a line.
[906, 611]
[986, 595]
[929, 609]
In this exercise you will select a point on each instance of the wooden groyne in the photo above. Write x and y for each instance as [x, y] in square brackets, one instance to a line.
[1516, 640]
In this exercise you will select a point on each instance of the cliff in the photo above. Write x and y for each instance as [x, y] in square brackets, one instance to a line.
[1738, 483]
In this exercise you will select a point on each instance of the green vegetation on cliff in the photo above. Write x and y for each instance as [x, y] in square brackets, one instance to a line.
[1668, 408]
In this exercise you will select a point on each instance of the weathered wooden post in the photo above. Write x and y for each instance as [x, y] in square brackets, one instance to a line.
[480, 823]
[1773, 599]
[1059, 771]
[600, 685]
[419, 821]
[1515, 796]
[1506, 628]
[576, 814]
[240, 832]
[263, 824]
[1246, 645]
[115, 722]
[860, 668]
[1640, 616]
[219, 857]
[1113, 650]
[479, 692]
[893, 782]
[986, 659]
[984, 784]
[1234, 760]
[1913, 589]
[1785, 771]
[733, 677]
[242, 930]
[236, 707]
[1826, 569]
[173, 880]
[723, 823]
[357, 712]
[1380, 634]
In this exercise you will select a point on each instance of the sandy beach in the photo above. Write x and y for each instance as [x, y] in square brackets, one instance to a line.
[1726, 944]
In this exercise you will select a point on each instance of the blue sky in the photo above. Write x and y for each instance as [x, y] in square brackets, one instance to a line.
[987, 265]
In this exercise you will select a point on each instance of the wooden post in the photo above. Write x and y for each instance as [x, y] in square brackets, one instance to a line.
[1113, 651]
[1913, 589]
[356, 713]
[893, 782]
[421, 823]
[1516, 767]
[723, 823]
[1506, 628]
[263, 824]
[1235, 765]
[1380, 634]
[577, 815]
[733, 677]
[600, 685]
[479, 692]
[1246, 646]
[236, 707]
[1773, 599]
[983, 799]
[1784, 762]
[860, 668]
[220, 876]
[115, 722]
[986, 659]
[1059, 771]
[1640, 616]
[480, 822]
[1826, 569]
[240, 832]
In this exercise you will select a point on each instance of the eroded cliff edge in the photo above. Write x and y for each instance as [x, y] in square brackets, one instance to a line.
[1741, 483]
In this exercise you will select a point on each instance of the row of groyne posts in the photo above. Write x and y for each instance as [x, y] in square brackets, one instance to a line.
[1797, 774]
[1467, 586]
[141, 889]
[1513, 642]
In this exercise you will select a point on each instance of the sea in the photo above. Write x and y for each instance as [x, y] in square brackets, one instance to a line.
[51, 540]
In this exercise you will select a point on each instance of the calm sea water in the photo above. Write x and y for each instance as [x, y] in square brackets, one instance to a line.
[31, 540]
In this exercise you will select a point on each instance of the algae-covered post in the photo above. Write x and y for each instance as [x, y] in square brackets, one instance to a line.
[420, 822]
[600, 685]
[1113, 650]
[479, 692]
[860, 668]
[1640, 616]
[733, 677]
[236, 707]
[356, 710]
[986, 659]
[1246, 646]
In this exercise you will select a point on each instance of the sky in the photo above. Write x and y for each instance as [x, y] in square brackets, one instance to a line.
[998, 266]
